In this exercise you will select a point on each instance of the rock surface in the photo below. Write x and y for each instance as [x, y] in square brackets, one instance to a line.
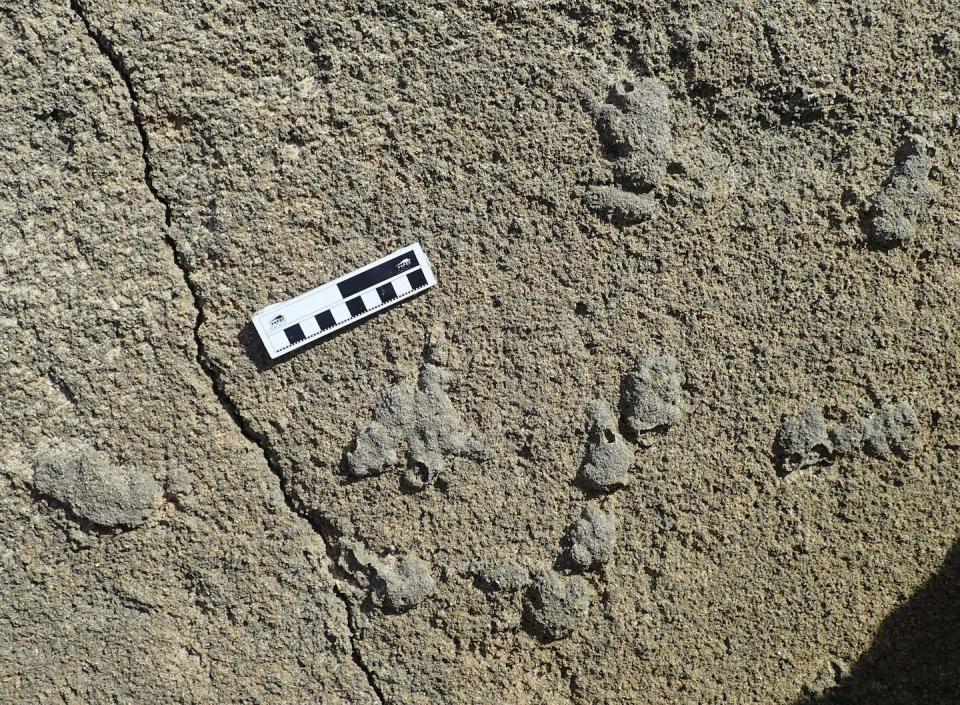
[215, 590]
[591, 539]
[903, 195]
[92, 489]
[634, 126]
[406, 584]
[633, 123]
[166, 169]
[893, 431]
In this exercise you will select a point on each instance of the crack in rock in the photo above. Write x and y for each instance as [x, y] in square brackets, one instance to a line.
[110, 54]
[108, 51]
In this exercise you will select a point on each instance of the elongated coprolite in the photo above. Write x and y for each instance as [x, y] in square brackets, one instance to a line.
[286, 326]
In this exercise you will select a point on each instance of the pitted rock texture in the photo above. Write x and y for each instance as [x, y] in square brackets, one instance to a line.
[905, 193]
[504, 577]
[92, 489]
[208, 590]
[652, 395]
[893, 431]
[591, 539]
[609, 457]
[503, 585]
[619, 206]
[422, 420]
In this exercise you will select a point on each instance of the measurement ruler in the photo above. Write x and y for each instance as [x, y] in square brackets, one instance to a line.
[286, 326]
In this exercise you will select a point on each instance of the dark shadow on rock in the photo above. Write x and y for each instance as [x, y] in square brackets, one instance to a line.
[249, 340]
[915, 657]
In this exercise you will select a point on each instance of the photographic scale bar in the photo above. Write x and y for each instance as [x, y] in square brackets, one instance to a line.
[286, 326]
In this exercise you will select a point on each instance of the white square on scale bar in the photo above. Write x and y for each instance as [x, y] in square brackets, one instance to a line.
[370, 299]
[402, 286]
[340, 312]
[309, 326]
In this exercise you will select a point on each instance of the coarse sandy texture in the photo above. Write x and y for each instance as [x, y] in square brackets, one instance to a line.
[167, 168]
[221, 594]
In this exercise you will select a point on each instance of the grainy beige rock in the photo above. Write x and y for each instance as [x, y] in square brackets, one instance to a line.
[290, 142]
[609, 457]
[92, 489]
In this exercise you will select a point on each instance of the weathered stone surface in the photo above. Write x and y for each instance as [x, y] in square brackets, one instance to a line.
[288, 142]
[114, 590]
[619, 206]
[85, 482]
[591, 539]
[423, 421]
[609, 458]
[808, 440]
[395, 584]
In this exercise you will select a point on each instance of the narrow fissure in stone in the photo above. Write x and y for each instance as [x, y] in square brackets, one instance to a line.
[107, 49]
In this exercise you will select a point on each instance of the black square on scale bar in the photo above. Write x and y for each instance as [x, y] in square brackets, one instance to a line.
[355, 306]
[417, 279]
[294, 334]
[386, 292]
[325, 320]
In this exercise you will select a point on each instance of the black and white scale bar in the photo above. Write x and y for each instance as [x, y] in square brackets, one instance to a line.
[287, 326]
